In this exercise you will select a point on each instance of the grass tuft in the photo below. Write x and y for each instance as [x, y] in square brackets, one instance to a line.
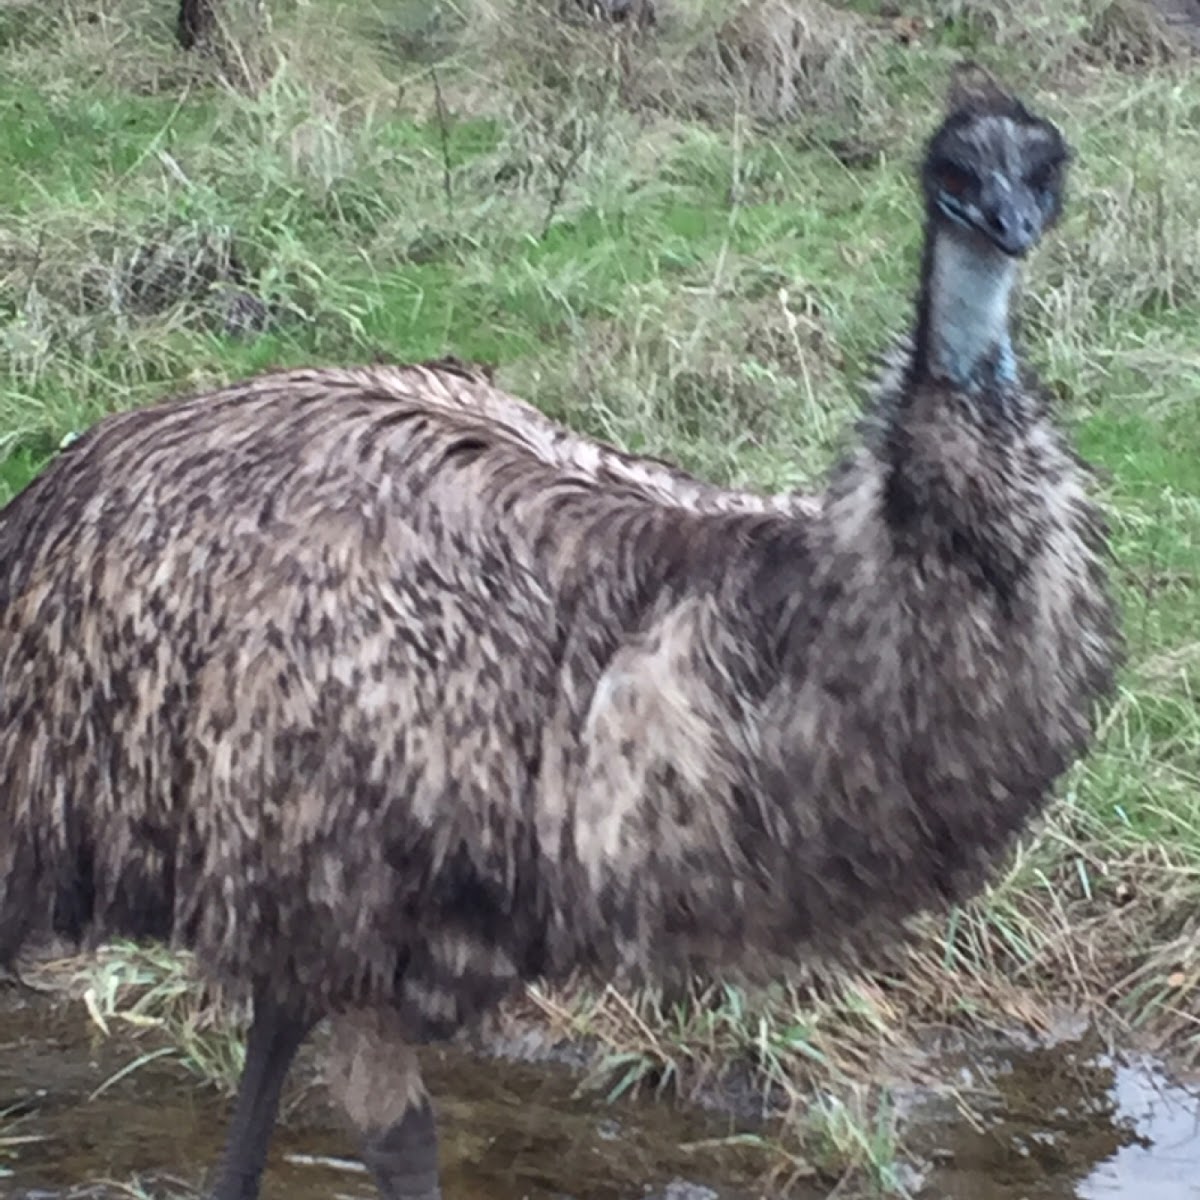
[148, 993]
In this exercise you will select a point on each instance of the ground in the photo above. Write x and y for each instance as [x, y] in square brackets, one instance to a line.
[691, 241]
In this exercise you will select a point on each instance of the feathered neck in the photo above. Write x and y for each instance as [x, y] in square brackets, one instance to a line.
[962, 333]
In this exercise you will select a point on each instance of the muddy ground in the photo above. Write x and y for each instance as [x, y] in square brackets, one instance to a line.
[1070, 1120]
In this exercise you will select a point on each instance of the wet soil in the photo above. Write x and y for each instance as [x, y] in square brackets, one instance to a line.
[510, 1130]
[1070, 1121]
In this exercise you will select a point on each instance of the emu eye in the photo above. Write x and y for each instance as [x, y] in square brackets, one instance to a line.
[1041, 177]
[1044, 173]
[957, 181]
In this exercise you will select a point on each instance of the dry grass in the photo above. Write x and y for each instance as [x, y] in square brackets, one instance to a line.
[1121, 35]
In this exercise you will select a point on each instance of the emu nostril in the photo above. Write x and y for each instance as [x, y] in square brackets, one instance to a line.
[1010, 226]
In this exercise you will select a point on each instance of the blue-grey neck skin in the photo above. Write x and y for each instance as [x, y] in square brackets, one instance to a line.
[968, 288]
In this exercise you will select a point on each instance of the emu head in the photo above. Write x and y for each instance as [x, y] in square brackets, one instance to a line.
[994, 173]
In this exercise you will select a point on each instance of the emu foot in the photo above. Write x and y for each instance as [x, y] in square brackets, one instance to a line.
[403, 1158]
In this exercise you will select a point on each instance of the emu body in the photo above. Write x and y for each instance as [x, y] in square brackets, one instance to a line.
[384, 695]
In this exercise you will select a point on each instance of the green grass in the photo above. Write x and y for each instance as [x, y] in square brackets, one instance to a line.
[662, 258]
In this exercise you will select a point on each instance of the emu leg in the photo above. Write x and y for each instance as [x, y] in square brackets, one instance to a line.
[403, 1158]
[375, 1077]
[275, 1036]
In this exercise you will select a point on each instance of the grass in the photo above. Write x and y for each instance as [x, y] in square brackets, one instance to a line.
[694, 253]
[13, 1138]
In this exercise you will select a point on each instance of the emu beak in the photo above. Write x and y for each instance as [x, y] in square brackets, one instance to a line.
[1009, 216]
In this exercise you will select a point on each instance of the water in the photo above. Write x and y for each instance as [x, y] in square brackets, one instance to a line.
[509, 1130]
[1066, 1122]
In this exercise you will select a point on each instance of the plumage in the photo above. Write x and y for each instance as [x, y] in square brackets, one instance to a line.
[383, 693]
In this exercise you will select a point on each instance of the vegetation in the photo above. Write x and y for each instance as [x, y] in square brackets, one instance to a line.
[691, 242]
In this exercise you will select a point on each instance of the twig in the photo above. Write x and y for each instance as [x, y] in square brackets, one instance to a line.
[562, 175]
[443, 129]
[34, 268]
[324, 1160]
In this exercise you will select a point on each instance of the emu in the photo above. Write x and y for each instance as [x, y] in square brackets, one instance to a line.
[383, 694]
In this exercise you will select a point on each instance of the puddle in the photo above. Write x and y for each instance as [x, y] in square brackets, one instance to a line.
[1067, 1122]
[1061, 1123]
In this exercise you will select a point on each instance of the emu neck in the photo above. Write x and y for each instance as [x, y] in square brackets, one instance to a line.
[963, 334]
